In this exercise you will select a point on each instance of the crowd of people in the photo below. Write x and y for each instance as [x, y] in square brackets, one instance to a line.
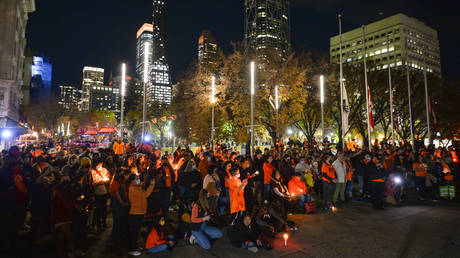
[193, 196]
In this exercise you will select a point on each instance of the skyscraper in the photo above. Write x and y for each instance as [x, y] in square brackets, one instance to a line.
[144, 34]
[105, 97]
[207, 49]
[267, 27]
[69, 96]
[92, 76]
[409, 41]
[159, 88]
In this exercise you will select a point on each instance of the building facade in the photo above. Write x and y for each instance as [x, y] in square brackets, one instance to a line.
[92, 76]
[40, 83]
[69, 95]
[267, 27]
[207, 49]
[105, 97]
[13, 22]
[409, 41]
[159, 86]
[144, 35]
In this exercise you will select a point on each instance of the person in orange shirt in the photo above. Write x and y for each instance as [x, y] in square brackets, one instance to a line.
[328, 177]
[156, 240]
[138, 199]
[298, 190]
[236, 194]
[420, 169]
[118, 147]
[268, 169]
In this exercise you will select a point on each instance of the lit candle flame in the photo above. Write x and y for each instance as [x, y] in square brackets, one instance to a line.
[285, 236]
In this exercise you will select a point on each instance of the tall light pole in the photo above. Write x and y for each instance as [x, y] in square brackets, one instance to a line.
[427, 105]
[144, 108]
[391, 92]
[277, 107]
[341, 80]
[321, 91]
[123, 86]
[253, 68]
[213, 101]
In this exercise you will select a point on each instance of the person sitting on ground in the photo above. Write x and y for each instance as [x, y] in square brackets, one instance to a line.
[201, 231]
[244, 235]
[156, 240]
[298, 190]
[269, 222]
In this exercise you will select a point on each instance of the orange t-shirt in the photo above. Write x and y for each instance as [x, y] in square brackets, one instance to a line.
[236, 196]
[420, 169]
[297, 186]
[268, 172]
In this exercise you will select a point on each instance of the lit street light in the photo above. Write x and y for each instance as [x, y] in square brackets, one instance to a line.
[122, 93]
[252, 106]
[144, 108]
[213, 101]
[321, 82]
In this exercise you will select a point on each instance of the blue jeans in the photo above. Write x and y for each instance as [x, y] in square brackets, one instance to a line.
[361, 183]
[267, 189]
[202, 235]
[224, 200]
[160, 248]
[248, 245]
[350, 188]
[302, 201]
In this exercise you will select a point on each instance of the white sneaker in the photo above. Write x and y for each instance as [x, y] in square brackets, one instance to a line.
[135, 253]
[192, 240]
[253, 249]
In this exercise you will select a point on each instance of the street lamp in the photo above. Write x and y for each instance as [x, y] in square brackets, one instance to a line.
[146, 64]
[252, 105]
[123, 86]
[321, 83]
[213, 101]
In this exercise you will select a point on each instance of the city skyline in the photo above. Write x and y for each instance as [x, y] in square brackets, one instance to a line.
[117, 43]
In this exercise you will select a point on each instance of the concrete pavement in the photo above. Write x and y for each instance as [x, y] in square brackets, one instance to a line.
[353, 231]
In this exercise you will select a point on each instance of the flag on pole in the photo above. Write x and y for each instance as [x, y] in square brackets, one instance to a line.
[435, 122]
[371, 116]
[395, 116]
[346, 110]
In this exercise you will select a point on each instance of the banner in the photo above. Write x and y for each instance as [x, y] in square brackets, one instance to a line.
[346, 110]
[371, 105]
[395, 116]
[435, 122]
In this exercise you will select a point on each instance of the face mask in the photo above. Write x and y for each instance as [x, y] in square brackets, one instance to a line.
[209, 159]
[138, 181]
[194, 167]
[26, 160]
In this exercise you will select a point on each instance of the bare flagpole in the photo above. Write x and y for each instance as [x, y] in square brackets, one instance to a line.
[341, 80]
[367, 89]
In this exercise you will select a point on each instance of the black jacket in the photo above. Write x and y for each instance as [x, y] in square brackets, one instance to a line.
[239, 234]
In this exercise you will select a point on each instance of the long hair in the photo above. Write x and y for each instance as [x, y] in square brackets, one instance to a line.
[203, 199]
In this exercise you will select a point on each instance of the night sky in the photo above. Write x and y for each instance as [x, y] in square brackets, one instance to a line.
[75, 33]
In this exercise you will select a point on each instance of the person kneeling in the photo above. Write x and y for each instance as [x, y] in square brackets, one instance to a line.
[298, 190]
[201, 231]
[156, 241]
[244, 235]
